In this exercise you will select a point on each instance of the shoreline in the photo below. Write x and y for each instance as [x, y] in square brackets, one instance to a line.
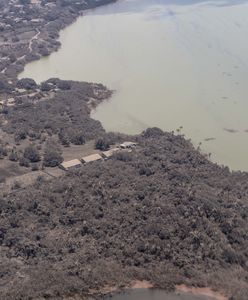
[12, 70]
[144, 284]
[198, 291]
[147, 284]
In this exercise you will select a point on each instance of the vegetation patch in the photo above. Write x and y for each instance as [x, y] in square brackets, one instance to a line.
[184, 221]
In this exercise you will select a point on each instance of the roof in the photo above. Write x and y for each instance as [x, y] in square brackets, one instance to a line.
[20, 90]
[128, 144]
[10, 102]
[110, 152]
[71, 163]
[36, 20]
[91, 158]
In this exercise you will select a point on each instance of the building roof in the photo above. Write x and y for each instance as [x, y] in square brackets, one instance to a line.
[71, 163]
[10, 102]
[128, 144]
[92, 157]
[110, 152]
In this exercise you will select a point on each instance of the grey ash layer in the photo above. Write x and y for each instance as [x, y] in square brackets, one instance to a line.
[162, 213]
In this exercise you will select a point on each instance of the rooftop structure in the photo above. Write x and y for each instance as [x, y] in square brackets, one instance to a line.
[11, 102]
[127, 145]
[109, 153]
[91, 158]
[71, 164]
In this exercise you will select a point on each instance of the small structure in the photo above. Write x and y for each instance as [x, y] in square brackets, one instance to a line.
[109, 153]
[36, 21]
[37, 2]
[20, 91]
[71, 164]
[11, 102]
[91, 158]
[128, 145]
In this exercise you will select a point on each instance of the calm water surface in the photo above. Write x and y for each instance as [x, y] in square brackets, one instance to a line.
[146, 294]
[172, 63]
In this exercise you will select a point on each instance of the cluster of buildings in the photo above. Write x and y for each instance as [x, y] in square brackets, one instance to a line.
[76, 163]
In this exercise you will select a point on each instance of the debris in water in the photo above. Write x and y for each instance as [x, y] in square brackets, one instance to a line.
[230, 130]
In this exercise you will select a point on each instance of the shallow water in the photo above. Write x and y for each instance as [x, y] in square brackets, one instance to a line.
[146, 294]
[172, 63]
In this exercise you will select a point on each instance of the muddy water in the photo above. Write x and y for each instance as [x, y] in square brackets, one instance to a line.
[146, 294]
[172, 63]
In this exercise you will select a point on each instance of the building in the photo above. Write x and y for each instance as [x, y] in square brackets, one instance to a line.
[20, 91]
[71, 165]
[35, 21]
[128, 145]
[11, 102]
[109, 153]
[91, 158]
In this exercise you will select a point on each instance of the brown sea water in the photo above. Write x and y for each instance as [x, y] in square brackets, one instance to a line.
[171, 63]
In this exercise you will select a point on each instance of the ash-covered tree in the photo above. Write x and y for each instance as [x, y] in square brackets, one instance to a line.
[52, 154]
[24, 2]
[26, 83]
[152, 132]
[12, 56]
[64, 85]
[102, 144]
[3, 151]
[64, 139]
[24, 162]
[45, 87]
[31, 153]
[13, 156]
[21, 134]
[78, 138]
[4, 85]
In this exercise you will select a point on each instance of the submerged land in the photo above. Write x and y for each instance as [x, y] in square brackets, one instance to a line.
[162, 213]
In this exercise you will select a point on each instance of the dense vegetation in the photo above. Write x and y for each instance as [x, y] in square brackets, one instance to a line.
[22, 20]
[66, 114]
[162, 213]
[56, 112]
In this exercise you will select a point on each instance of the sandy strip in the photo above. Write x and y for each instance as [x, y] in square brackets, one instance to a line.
[144, 284]
[138, 284]
[201, 292]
